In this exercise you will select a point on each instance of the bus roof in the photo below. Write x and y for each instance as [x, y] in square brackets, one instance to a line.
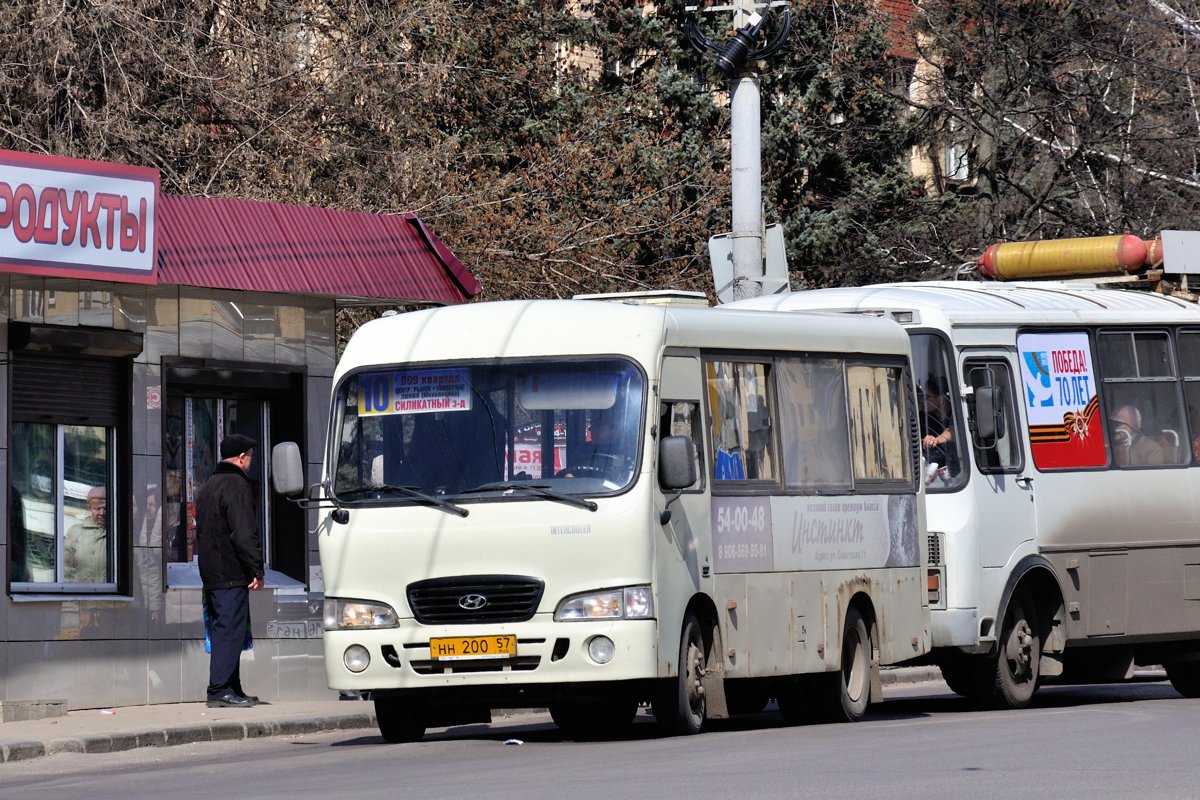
[530, 328]
[968, 302]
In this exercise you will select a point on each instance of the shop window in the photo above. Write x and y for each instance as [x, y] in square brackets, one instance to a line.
[69, 428]
[62, 533]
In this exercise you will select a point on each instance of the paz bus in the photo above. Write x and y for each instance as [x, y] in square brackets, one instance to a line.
[588, 505]
[1061, 432]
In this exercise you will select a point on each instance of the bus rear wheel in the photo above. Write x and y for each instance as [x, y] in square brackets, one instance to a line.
[399, 720]
[681, 707]
[844, 695]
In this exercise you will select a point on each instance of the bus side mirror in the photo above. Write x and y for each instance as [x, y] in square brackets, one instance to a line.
[989, 415]
[676, 469]
[287, 469]
[676, 462]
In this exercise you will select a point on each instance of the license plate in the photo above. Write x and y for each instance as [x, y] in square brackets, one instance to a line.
[460, 647]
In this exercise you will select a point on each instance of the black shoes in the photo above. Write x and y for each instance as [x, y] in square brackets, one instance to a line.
[232, 700]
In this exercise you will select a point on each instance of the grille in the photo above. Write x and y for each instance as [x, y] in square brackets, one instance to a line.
[508, 598]
[935, 549]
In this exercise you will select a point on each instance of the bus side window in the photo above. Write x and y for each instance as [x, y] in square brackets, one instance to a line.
[943, 441]
[813, 427]
[1189, 365]
[683, 419]
[741, 421]
[991, 383]
[1142, 399]
[991, 392]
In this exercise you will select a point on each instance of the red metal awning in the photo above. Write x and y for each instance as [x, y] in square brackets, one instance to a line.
[224, 243]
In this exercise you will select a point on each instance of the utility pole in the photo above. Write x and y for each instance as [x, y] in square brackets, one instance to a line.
[745, 149]
[738, 61]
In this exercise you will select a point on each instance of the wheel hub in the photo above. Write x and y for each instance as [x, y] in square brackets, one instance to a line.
[1019, 649]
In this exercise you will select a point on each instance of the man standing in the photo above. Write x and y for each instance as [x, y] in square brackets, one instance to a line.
[231, 563]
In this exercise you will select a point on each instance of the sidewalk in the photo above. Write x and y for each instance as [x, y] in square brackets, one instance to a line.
[115, 729]
[127, 728]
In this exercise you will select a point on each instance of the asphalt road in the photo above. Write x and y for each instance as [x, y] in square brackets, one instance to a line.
[1111, 741]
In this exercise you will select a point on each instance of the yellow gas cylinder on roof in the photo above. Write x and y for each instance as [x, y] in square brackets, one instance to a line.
[1061, 258]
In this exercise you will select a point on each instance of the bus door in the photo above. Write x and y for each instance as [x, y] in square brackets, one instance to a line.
[680, 415]
[1002, 487]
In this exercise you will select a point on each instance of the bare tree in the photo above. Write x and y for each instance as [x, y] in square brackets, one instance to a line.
[1078, 117]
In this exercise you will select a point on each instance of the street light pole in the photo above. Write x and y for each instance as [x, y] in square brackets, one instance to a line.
[745, 140]
[738, 60]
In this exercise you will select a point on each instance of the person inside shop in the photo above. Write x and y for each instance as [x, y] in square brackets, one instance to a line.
[230, 554]
[85, 553]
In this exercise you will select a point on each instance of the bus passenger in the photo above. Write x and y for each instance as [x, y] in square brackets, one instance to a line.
[1131, 447]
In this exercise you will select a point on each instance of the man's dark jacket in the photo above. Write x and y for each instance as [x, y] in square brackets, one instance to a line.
[226, 531]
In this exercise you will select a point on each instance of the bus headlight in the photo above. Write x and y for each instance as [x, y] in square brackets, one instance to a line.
[341, 615]
[630, 602]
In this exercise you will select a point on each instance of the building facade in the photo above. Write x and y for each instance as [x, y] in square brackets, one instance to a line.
[136, 330]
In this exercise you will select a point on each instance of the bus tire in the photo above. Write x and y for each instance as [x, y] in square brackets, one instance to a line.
[680, 707]
[1184, 677]
[844, 695]
[399, 720]
[1015, 669]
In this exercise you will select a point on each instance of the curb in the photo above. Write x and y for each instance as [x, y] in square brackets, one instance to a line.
[183, 734]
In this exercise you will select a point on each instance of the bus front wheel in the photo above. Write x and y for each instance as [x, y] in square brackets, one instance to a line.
[1015, 669]
[680, 707]
[399, 720]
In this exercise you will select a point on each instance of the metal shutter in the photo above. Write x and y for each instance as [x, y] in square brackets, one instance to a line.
[70, 390]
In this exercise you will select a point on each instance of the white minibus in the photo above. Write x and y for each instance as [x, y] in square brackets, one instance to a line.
[588, 505]
[1061, 432]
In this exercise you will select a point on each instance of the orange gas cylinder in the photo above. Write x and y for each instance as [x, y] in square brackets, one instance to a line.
[1059, 258]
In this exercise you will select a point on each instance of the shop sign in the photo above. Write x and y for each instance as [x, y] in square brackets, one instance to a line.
[80, 219]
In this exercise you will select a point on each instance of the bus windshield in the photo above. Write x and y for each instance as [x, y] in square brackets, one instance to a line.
[487, 430]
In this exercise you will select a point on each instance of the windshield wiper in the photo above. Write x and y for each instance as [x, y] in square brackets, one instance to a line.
[407, 491]
[538, 489]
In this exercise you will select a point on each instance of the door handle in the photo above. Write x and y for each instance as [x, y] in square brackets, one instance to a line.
[1025, 481]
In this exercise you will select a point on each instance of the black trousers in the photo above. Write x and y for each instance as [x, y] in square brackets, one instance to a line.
[229, 618]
